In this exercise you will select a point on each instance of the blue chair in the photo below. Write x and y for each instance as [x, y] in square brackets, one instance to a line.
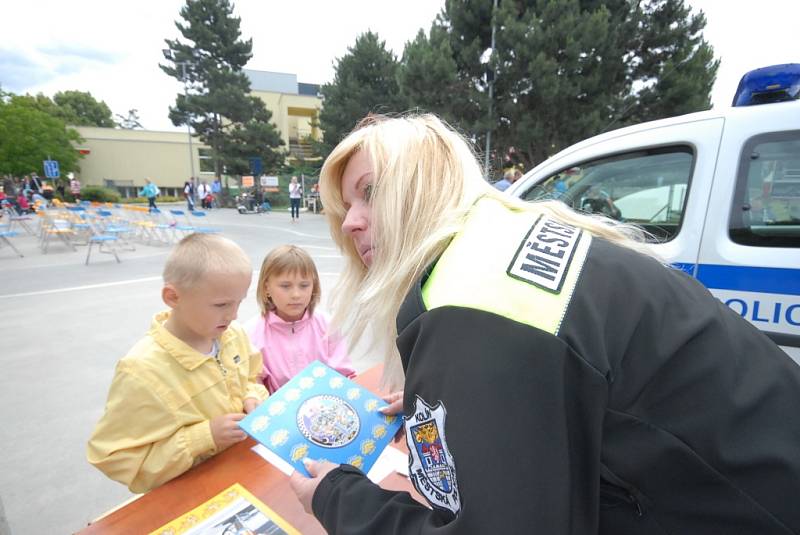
[203, 230]
[105, 245]
[4, 238]
[113, 228]
[186, 227]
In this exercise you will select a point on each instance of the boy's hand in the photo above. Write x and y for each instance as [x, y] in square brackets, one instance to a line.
[250, 404]
[225, 432]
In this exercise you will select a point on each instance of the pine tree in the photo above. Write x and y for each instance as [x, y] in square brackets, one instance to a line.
[365, 81]
[217, 103]
[429, 80]
[565, 70]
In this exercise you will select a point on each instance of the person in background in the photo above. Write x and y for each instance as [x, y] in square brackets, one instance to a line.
[557, 377]
[506, 181]
[216, 191]
[75, 187]
[188, 193]
[204, 194]
[158, 421]
[295, 195]
[290, 332]
[150, 191]
[23, 205]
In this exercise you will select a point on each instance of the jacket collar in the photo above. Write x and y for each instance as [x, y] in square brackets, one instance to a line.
[183, 353]
[274, 320]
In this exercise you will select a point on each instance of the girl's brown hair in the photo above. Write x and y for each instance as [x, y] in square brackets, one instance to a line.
[286, 259]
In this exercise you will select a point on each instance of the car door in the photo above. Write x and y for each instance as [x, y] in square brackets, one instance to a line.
[750, 251]
[657, 175]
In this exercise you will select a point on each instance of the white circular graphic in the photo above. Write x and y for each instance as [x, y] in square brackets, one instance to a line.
[328, 421]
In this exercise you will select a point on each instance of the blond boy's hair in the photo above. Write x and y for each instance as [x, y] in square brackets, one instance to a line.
[198, 255]
[287, 259]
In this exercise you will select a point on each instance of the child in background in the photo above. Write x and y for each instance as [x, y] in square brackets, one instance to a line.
[288, 332]
[178, 394]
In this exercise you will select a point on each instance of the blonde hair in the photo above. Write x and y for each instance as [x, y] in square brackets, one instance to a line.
[287, 259]
[197, 255]
[426, 179]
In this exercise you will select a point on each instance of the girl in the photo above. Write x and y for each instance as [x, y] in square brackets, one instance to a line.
[288, 332]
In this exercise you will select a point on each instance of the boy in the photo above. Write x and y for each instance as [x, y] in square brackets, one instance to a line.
[177, 395]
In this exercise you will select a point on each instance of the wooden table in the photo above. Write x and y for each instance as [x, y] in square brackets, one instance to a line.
[237, 464]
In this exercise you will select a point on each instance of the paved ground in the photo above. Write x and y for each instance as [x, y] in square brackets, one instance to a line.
[63, 327]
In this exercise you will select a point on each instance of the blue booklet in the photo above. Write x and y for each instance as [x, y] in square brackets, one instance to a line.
[322, 415]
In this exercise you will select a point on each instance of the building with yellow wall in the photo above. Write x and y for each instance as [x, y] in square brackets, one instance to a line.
[124, 158]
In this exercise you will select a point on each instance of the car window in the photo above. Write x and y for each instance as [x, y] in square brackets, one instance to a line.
[766, 205]
[646, 187]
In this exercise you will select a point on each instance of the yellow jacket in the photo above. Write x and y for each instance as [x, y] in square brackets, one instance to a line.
[157, 418]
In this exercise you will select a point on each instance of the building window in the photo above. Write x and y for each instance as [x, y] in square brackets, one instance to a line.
[766, 205]
[206, 161]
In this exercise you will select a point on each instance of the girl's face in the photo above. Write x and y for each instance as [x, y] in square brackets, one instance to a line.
[357, 182]
[291, 293]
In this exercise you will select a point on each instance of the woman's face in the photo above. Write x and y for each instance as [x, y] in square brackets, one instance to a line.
[356, 193]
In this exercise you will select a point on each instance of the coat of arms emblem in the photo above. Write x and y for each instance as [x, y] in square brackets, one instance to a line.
[432, 469]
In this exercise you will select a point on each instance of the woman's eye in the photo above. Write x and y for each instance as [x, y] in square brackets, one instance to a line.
[368, 191]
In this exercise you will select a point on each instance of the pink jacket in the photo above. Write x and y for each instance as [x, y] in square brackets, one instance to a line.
[288, 347]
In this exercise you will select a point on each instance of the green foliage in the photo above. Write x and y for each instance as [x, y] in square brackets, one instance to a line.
[365, 81]
[82, 109]
[562, 70]
[429, 79]
[29, 135]
[99, 194]
[217, 103]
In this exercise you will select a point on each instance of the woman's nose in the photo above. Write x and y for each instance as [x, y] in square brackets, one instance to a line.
[354, 221]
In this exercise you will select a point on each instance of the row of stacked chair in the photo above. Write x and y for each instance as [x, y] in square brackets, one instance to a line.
[112, 228]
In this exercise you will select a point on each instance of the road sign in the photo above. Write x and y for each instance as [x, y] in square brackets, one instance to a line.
[255, 165]
[51, 169]
[269, 181]
[247, 181]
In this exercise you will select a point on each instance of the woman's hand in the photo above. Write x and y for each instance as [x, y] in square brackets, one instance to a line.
[305, 487]
[395, 401]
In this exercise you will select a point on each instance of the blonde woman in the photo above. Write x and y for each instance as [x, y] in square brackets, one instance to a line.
[557, 378]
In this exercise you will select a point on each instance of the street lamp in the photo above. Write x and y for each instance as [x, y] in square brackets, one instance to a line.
[183, 64]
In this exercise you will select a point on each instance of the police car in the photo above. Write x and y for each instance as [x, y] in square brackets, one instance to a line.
[719, 191]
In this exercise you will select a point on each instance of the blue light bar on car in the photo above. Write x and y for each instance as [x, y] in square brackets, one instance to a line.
[775, 83]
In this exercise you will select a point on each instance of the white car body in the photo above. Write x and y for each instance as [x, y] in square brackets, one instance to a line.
[720, 150]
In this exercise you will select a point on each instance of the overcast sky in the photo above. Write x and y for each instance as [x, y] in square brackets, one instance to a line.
[112, 48]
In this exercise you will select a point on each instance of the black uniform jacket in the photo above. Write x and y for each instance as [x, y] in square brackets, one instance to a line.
[559, 384]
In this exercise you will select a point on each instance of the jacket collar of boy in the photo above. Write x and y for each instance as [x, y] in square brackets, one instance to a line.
[187, 356]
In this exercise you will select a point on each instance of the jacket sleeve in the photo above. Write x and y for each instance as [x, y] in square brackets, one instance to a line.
[522, 426]
[255, 385]
[138, 440]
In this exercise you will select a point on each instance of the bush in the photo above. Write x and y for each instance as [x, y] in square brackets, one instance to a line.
[99, 194]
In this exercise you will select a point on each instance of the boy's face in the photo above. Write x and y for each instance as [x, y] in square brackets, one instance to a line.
[204, 311]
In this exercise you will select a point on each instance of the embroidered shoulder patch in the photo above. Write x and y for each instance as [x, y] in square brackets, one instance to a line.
[544, 256]
[431, 468]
